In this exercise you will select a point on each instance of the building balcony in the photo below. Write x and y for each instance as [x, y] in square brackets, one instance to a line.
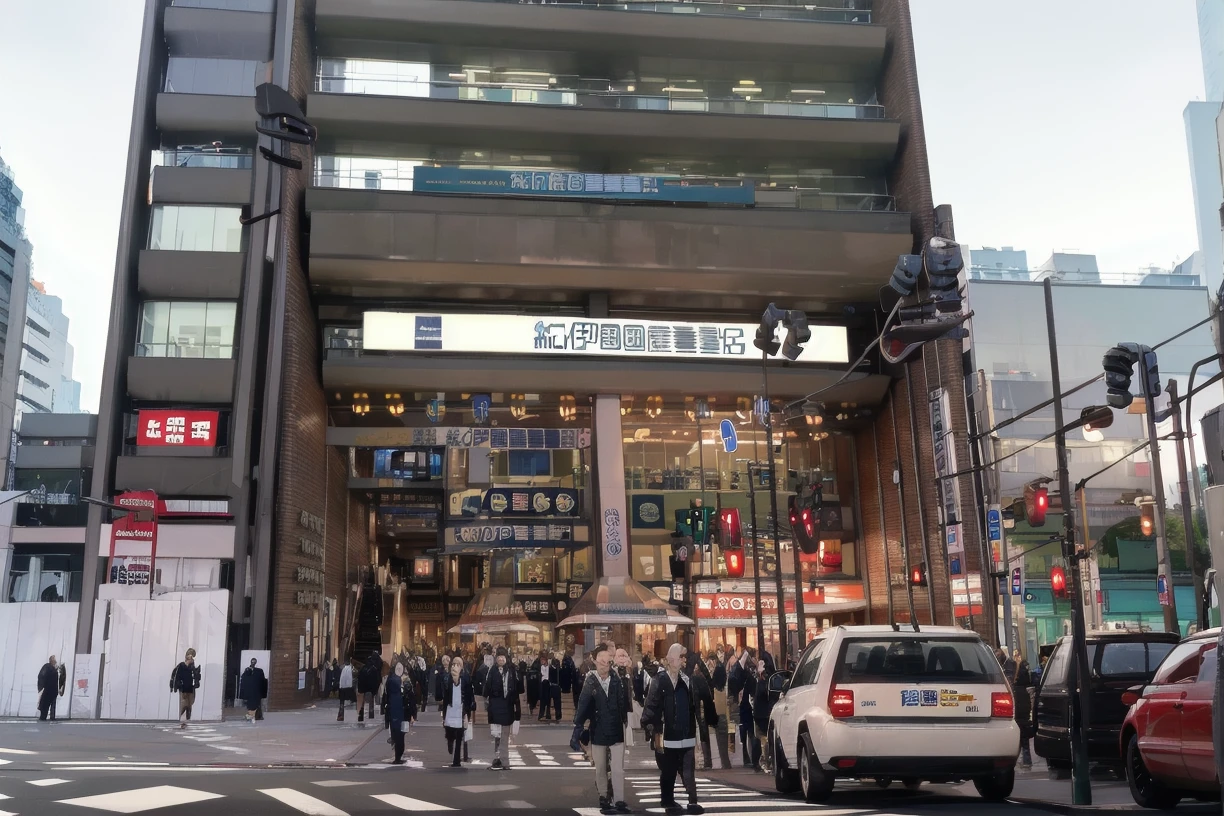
[180, 275]
[230, 29]
[612, 124]
[201, 185]
[175, 475]
[45, 457]
[181, 380]
[208, 116]
[809, 34]
[375, 243]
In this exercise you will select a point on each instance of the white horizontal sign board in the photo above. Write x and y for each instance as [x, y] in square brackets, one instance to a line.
[582, 336]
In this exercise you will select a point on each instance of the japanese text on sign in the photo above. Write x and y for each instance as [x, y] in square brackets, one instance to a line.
[177, 428]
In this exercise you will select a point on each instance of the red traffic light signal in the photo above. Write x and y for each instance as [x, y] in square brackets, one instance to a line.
[1058, 582]
[1147, 520]
[803, 525]
[918, 576]
[1036, 503]
[735, 563]
[729, 528]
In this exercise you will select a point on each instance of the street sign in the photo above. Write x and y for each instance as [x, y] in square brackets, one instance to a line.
[730, 440]
[1162, 590]
[994, 532]
[1017, 581]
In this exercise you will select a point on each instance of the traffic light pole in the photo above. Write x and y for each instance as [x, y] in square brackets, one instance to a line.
[773, 505]
[756, 555]
[1081, 787]
[1183, 486]
[1163, 568]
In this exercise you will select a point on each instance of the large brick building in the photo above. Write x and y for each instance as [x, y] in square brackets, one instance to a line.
[480, 361]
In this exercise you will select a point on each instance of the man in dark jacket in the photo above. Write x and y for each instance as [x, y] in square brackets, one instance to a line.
[369, 678]
[707, 717]
[671, 712]
[741, 689]
[480, 672]
[550, 689]
[501, 694]
[602, 703]
[568, 675]
[252, 688]
[533, 683]
[48, 688]
[401, 709]
[185, 679]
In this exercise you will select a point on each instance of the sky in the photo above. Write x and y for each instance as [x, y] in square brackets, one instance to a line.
[1051, 124]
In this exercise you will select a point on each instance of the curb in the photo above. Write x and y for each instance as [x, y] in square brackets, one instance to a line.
[1069, 810]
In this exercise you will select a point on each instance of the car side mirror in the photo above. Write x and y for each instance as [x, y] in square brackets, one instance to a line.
[1132, 695]
[778, 681]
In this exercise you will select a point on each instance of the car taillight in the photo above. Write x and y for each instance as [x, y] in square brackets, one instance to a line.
[841, 703]
[1002, 705]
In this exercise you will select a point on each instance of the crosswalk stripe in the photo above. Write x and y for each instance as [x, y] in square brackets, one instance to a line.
[302, 802]
[17, 751]
[42, 783]
[407, 803]
[822, 810]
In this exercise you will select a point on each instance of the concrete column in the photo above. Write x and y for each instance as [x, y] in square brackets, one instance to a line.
[611, 516]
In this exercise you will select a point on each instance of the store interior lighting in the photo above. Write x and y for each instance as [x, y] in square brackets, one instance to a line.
[395, 405]
[361, 402]
[626, 405]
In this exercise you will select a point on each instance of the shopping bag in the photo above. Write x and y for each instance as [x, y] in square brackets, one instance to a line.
[406, 726]
[514, 728]
[467, 733]
[629, 738]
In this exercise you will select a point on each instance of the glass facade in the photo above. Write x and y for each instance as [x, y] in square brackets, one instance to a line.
[45, 574]
[215, 77]
[196, 229]
[186, 329]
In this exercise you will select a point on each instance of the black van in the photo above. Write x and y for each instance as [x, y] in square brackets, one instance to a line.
[1118, 660]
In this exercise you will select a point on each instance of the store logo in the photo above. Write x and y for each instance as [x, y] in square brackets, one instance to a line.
[428, 336]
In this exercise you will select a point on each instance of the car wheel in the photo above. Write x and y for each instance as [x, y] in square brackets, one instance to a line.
[912, 784]
[817, 785]
[786, 780]
[883, 783]
[996, 787]
[1145, 790]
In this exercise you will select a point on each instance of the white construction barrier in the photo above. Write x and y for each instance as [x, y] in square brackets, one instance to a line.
[29, 634]
[145, 640]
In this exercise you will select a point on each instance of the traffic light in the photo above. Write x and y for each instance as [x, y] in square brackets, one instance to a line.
[1096, 417]
[1036, 503]
[918, 575]
[1147, 519]
[905, 274]
[1119, 363]
[943, 262]
[769, 326]
[735, 563]
[1058, 582]
[729, 528]
[797, 333]
[803, 525]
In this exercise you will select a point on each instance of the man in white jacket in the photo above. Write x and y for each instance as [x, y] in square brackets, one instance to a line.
[347, 692]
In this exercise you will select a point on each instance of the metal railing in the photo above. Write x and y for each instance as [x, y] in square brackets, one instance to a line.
[768, 194]
[224, 158]
[688, 101]
[185, 351]
[828, 11]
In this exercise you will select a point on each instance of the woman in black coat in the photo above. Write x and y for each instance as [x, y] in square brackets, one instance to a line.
[401, 709]
[458, 706]
[501, 692]
[252, 688]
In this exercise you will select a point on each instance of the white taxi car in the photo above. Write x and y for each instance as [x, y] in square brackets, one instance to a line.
[888, 704]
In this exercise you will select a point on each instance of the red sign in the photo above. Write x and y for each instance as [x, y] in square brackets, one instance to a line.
[173, 429]
[138, 525]
[743, 605]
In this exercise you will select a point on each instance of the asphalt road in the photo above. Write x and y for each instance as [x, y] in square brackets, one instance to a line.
[90, 770]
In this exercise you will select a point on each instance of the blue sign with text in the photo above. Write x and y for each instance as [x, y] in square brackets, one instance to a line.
[730, 439]
[560, 184]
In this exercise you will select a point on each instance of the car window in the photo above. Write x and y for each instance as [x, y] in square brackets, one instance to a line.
[1126, 657]
[1055, 676]
[1158, 650]
[806, 673]
[1209, 667]
[1181, 666]
[908, 660]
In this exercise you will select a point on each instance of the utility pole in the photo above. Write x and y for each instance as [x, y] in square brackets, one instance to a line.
[777, 543]
[756, 557]
[1183, 487]
[1163, 568]
[1081, 786]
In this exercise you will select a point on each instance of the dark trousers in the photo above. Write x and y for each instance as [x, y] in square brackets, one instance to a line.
[454, 742]
[556, 699]
[720, 736]
[703, 734]
[366, 699]
[752, 745]
[545, 698]
[577, 694]
[46, 705]
[397, 739]
[677, 761]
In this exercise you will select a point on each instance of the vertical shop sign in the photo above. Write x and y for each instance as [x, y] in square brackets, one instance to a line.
[610, 462]
[139, 525]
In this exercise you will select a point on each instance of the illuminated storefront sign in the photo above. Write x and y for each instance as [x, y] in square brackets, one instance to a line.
[495, 438]
[172, 429]
[580, 336]
[555, 184]
[495, 535]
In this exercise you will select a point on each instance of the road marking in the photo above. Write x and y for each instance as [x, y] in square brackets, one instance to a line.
[4, 796]
[106, 762]
[43, 783]
[139, 800]
[823, 809]
[302, 803]
[338, 783]
[518, 804]
[6, 762]
[486, 788]
[407, 803]
[17, 751]
[147, 769]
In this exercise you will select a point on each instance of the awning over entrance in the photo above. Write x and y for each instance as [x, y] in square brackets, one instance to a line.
[620, 600]
[493, 612]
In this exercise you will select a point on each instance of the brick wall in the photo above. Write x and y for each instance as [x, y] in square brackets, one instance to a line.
[910, 182]
[311, 477]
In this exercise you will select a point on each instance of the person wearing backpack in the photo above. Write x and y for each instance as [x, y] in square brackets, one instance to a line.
[185, 679]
